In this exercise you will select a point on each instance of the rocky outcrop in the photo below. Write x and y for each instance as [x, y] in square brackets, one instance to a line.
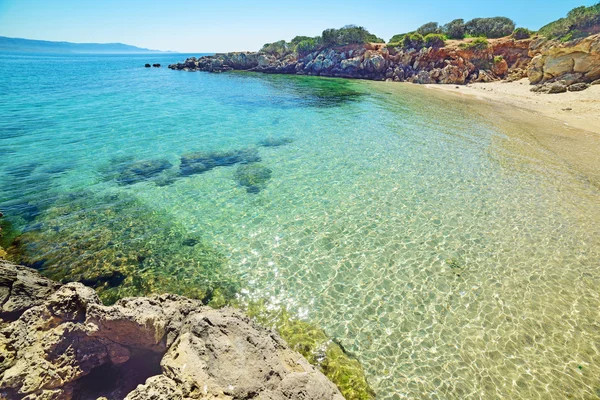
[66, 344]
[541, 60]
[573, 62]
[451, 64]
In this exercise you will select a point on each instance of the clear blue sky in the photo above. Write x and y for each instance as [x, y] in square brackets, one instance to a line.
[209, 26]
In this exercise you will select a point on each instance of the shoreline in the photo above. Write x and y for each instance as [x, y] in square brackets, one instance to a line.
[579, 110]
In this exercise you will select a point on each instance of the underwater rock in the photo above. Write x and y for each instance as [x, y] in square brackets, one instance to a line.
[147, 65]
[183, 346]
[275, 142]
[253, 176]
[156, 65]
[142, 170]
[123, 248]
[199, 162]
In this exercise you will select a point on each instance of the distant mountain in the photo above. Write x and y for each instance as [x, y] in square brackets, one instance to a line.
[43, 46]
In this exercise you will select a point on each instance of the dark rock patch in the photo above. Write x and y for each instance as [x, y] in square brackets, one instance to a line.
[253, 177]
[199, 162]
[275, 142]
[141, 170]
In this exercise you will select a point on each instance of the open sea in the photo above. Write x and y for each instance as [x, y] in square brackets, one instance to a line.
[445, 243]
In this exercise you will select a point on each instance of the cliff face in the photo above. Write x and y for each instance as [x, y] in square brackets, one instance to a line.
[60, 342]
[451, 64]
[572, 62]
[456, 63]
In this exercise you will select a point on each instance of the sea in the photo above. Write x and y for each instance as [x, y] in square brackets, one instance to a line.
[444, 242]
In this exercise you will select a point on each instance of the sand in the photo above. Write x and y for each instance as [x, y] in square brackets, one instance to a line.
[579, 110]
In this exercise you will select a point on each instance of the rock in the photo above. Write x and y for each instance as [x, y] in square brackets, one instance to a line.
[160, 347]
[275, 141]
[141, 170]
[574, 61]
[557, 87]
[156, 65]
[199, 162]
[596, 82]
[20, 289]
[253, 176]
[578, 87]
[147, 65]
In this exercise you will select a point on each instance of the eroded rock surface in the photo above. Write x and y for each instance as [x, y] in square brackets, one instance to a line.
[66, 344]
[539, 59]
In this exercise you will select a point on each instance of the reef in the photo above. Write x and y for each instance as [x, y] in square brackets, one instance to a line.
[540, 59]
[253, 177]
[65, 344]
[119, 246]
[199, 162]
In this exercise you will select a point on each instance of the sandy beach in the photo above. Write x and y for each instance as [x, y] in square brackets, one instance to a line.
[579, 110]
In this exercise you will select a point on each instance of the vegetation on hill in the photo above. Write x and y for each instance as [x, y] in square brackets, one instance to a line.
[349, 34]
[579, 22]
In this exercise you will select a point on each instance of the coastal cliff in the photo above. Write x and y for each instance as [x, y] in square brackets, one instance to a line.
[60, 342]
[458, 62]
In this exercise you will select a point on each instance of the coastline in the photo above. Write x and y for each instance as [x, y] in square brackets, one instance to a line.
[580, 110]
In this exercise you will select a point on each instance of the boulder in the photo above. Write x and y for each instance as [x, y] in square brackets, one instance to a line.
[578, 87]
[161, 347]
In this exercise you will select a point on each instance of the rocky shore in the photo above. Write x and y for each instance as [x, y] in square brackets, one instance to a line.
[543, 61]
[60, 342]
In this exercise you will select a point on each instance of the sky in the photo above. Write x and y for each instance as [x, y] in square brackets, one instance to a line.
[235, 25]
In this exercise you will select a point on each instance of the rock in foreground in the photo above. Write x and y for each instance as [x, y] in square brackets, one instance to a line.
[68, 345]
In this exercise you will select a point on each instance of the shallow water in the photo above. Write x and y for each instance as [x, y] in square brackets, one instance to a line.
[439, 240]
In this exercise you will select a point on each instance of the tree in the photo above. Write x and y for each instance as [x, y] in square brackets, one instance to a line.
[430, 27]
[455, 29]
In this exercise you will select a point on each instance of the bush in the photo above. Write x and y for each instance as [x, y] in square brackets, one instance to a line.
[299, 39]
[349, 34]
[308, 46]
[277, 49]
[455, 29]
[434, 40]
[490, 27]
[430, 27]
[397, 38]
[498, 59]
[477, 44]
[413, 40]
[521, 33]
[579, 22]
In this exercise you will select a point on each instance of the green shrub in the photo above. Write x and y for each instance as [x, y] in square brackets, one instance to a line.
[413, 41]
[434, 40]
[277, 49]
[479, 43]
[299, 39]
[428, 28]
[349, 34]
[309, 45]
[521, 33]
[455, 29]
[498, 59]
[397, 38]
[490, 27]
[579, 22]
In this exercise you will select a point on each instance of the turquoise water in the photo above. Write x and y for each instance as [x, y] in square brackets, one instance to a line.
[435, 238]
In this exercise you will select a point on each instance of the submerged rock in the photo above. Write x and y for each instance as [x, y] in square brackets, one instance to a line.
[141, 170]
[275, 141]
[170, 347]
[199, 162]
[147, 65]
[254, 177]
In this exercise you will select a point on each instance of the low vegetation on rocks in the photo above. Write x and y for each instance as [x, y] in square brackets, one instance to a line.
[579, 22]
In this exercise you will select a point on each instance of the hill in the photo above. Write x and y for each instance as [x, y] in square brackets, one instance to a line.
[43, 46]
